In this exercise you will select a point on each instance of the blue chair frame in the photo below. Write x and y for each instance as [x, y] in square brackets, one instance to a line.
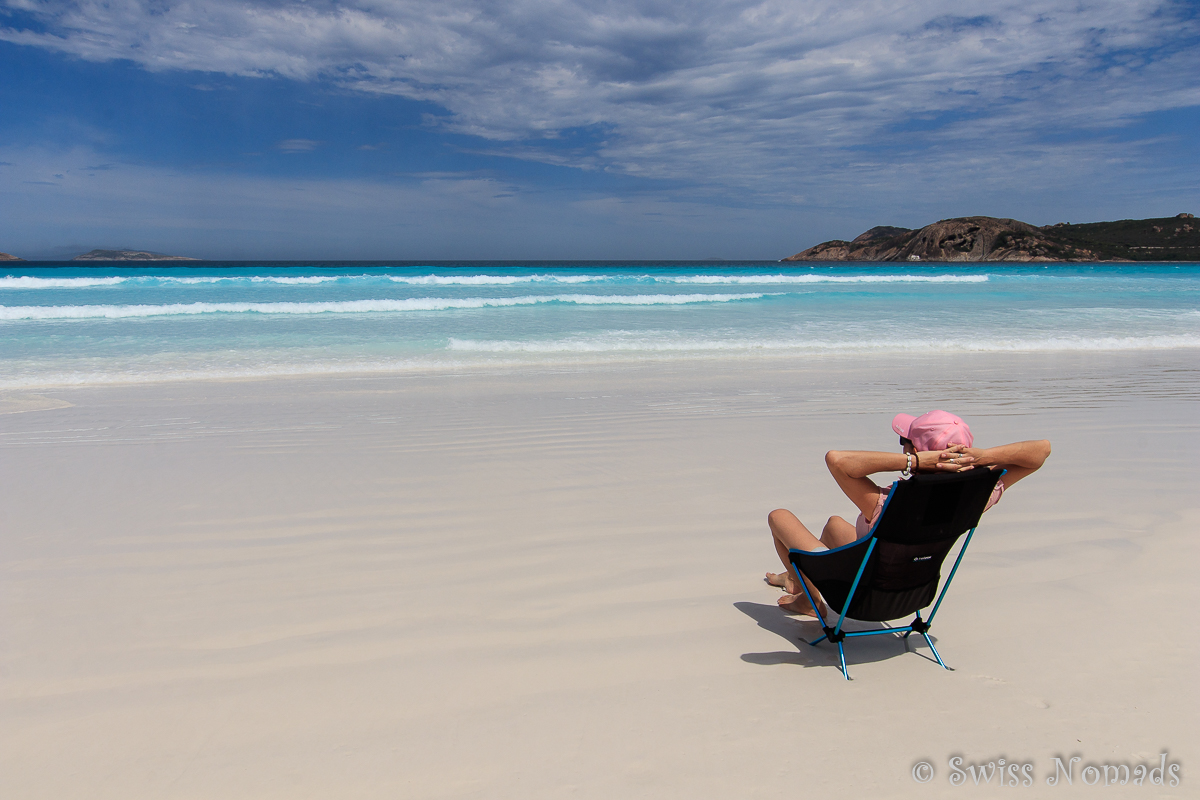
[918, 625]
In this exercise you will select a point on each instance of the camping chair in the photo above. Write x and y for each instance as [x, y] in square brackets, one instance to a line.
[894, 571]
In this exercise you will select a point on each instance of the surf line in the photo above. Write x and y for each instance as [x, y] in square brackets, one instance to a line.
[355, 306]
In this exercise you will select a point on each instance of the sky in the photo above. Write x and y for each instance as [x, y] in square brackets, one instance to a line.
[581, 129]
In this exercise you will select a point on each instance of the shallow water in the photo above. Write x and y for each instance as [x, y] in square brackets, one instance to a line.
[71, 324]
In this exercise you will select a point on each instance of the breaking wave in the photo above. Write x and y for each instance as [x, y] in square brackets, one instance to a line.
[355, 306]
[550, 279]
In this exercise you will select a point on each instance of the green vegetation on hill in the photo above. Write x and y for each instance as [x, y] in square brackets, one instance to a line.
[1162, 239]
[128, 255]
[992, 239]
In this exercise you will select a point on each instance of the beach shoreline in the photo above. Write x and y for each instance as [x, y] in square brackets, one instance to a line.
[545, 582]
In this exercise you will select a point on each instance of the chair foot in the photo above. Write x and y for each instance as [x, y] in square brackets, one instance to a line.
[933, 649]
[842, 655]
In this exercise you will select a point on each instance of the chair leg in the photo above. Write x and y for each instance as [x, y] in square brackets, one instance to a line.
[842, 654]
[934, 649]
[816, 642]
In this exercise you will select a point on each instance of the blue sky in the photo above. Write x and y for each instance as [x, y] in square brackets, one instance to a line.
[543, 129]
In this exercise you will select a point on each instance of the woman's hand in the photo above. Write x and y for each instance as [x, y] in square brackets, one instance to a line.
[952, 459]
[1019, 458]
[964, 457]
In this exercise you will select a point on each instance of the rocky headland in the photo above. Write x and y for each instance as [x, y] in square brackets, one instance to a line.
[7, 257]
[128, 255]
[991, 239]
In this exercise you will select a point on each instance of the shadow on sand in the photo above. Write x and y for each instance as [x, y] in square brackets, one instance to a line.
[800, 630]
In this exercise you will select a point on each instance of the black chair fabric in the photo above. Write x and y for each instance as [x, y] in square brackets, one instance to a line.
[924, 516]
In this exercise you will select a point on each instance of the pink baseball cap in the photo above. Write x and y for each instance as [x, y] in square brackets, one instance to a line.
[934, 430]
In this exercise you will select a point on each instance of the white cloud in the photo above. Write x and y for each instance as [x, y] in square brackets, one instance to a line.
[298, 145]
[763, 97]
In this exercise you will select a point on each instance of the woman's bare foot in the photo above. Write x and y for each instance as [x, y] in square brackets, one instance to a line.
[783, 580]
[798, 604]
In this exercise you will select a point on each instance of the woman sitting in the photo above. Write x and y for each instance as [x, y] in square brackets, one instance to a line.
[937, 441]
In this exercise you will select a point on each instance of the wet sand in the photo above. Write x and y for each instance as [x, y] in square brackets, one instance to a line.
[549, 584]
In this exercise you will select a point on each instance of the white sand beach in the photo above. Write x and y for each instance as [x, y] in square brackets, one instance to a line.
[549, 584]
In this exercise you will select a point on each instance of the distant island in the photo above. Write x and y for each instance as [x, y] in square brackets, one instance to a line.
[7, 257]
[990, 239]
[128, 255]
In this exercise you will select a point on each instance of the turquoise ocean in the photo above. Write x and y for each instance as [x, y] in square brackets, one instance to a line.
[67, 324]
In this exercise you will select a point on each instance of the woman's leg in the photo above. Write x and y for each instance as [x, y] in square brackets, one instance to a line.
[788, 532]
[837, 532]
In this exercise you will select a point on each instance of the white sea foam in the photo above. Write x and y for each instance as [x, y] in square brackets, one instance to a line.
[709, 280]
[353, 306]
[480, 354]
[657, 344]
[498, 280]
[27, 282]
[299, 280]
[285, 280]
[819, 278]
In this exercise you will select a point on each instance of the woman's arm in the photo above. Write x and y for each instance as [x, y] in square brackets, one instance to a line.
[1019, 458]
[850, 469]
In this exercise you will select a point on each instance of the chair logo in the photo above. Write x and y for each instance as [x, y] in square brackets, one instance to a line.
[922, 558]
